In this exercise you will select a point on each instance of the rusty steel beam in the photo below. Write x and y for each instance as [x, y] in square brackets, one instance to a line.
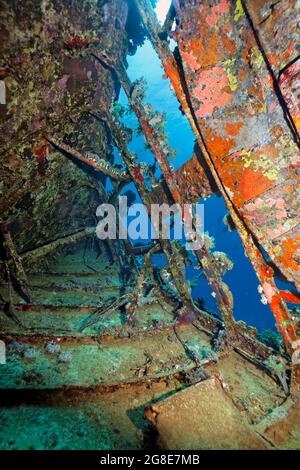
[193, 182]
[180, 83]
[243, 125]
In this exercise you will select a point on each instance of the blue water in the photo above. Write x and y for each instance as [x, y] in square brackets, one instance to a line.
[145, 63]
[241, 279]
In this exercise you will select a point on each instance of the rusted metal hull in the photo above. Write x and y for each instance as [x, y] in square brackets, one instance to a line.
[245, 128]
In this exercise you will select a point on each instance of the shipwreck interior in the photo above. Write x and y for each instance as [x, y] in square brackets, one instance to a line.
[138, 343]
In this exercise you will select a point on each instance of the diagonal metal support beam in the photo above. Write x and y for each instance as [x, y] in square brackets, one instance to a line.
[16, 262]
[98, 164]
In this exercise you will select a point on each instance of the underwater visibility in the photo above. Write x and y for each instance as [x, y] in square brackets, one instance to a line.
[149, 227]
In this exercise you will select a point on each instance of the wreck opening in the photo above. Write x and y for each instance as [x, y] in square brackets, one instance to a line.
[103, 330]
[160, 95]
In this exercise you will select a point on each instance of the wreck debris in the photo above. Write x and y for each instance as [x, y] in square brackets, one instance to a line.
[193, 181]
[190, 183]
[49, 89]
[8, 307]
[221, 342]
[117, 248]
[275, 27]
[227, 220]
[199, 355]
[98, 314]
[221, 290]
[178, 427]
[144, 370]
[196, 375]
[138, 93]
[222, 261]
[167, 283]
[223, 296]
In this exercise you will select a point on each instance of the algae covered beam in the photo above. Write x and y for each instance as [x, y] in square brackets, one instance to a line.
[92, 160]
[32, 255]
[141, 280]
[16, 261]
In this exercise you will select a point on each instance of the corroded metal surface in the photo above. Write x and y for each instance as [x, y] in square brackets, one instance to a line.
[277, 25]
[242, 122]
[192, 181]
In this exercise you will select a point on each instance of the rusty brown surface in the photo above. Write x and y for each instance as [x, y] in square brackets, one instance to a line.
[276, 26]
[192, 181]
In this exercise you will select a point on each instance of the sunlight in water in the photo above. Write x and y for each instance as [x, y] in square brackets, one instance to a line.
[162, 8]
